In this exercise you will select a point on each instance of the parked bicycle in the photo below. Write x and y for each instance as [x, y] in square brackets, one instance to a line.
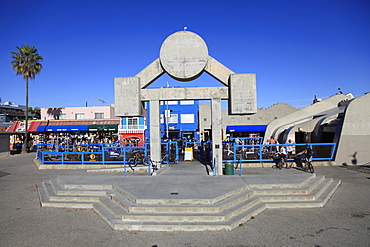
[279, 159]
[169, 158]
[135, 158]
[148, 161]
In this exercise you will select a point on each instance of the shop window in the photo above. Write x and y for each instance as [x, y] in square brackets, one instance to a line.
[187, 118]
[173, 118]
[187, 102]
[80, 116]
[133, 123]
[172, 102]
[99, 115]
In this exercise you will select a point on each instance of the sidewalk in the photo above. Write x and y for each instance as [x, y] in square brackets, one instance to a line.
[344, 221]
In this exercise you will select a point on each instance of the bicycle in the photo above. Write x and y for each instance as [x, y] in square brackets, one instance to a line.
[135, 158]
[170, 158]
[148, 161]
[279, 159]
[308, 166]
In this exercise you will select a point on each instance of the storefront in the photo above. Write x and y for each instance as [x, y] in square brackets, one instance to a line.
[246, 130]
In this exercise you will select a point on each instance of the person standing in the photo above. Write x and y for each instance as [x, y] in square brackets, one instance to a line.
[272, 141]
[284, 155]
[18, 145]
[290, 148]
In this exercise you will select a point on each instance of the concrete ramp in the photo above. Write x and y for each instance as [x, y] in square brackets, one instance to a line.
[176, 201]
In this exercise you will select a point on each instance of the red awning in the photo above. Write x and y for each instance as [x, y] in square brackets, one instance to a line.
[33, 126]
[13, 127]
[18, 127]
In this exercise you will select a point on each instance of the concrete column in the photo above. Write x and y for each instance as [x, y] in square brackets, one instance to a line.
[155, 132]
[216, 134]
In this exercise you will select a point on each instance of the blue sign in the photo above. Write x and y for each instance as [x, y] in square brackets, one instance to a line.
[113, 153]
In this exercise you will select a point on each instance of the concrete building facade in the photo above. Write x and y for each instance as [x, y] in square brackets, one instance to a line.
[306, 119]
[70, 113]
[354, 141]
[184, 57]
[262, 118]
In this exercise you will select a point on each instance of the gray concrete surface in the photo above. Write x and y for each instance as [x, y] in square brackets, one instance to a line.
[354, 141]
[344, 221]
[183, 55]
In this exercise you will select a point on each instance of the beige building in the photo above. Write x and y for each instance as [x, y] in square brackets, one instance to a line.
[69, 113]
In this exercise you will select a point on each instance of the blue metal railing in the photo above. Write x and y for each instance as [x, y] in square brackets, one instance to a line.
[264, 152]
[99, 153]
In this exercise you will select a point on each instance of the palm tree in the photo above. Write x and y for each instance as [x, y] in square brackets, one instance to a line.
[26, 62]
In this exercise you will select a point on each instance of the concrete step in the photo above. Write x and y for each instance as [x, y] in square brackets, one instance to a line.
[123, 211]
[225, 225]
[60, 190]
[320, 201]
[219, 215]
[47, 193]
[306, 187]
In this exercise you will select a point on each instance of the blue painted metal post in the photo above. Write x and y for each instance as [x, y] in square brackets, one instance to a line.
[214, 167]
[240, 168]
[149, 168]
[261, 152]
[102, 155]
[124, 161]
[234, 150]
[124, 169]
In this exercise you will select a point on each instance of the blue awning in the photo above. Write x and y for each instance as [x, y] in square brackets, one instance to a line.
[63, 128]
[246, 128]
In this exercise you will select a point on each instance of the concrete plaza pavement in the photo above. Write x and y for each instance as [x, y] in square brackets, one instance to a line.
[344, 221]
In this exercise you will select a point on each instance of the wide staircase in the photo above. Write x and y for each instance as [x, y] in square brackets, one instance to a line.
[175, 202]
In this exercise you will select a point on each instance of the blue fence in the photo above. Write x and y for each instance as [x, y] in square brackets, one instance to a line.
[265, 152]
[101, 153]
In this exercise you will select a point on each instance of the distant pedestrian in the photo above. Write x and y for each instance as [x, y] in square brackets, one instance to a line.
[18, 145]
[290, 148]
[284, 154]
[272, 141]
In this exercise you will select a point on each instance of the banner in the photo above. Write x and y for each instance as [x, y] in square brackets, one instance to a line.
[113, 153]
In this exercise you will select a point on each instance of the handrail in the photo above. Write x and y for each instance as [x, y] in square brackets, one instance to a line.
[79, 157]
[261, 152]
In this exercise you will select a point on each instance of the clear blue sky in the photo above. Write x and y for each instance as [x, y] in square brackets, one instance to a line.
[298, 48]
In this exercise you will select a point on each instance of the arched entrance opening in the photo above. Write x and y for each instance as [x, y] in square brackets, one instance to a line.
[184, 57]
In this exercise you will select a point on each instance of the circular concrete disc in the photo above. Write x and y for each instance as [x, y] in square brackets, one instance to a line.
[184, 55]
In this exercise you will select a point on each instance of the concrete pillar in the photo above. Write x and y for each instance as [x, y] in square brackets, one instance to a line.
[216, 134]
[155, 132]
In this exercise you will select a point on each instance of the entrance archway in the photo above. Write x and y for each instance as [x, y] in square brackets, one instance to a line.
[184, 56]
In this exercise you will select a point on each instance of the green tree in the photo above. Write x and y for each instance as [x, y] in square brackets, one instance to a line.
[36, 112]
[26, 62]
